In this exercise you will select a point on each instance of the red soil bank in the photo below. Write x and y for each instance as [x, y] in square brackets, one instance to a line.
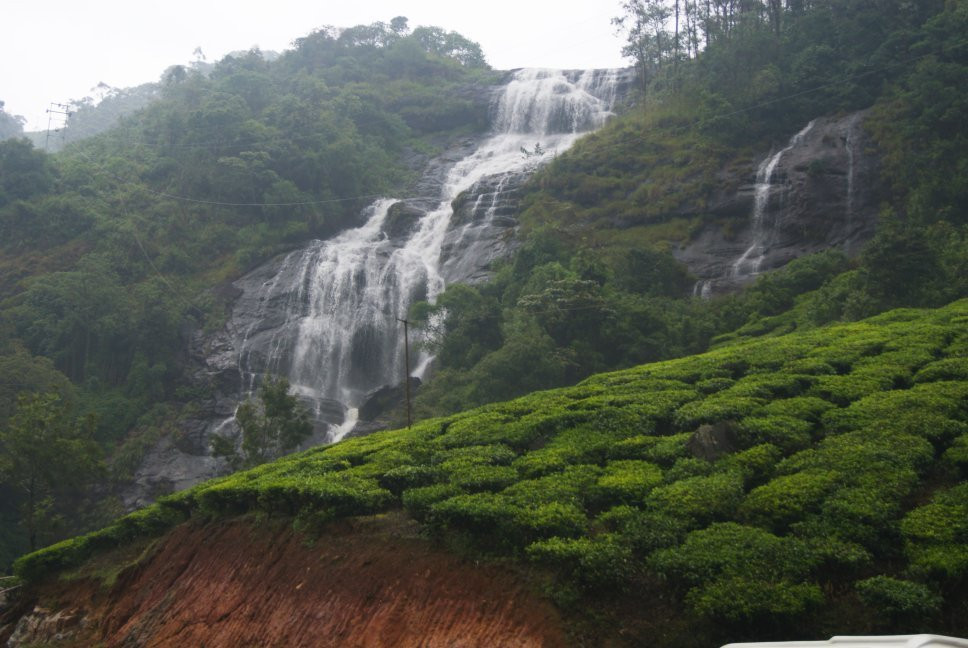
[363, 583]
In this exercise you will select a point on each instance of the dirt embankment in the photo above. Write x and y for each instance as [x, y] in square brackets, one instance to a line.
[368, 582]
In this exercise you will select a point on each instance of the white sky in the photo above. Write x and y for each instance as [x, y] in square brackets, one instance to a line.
[56, 51]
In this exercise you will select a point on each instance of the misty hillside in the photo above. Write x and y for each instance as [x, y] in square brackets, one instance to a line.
[684, 343]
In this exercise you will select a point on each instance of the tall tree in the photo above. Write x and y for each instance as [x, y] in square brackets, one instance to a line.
[274, 425]
[646, 40]
[46, 456]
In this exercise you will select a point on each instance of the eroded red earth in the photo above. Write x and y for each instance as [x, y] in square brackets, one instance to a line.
[371, 582]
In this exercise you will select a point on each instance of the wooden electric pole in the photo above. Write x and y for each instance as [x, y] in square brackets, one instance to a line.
[406, 357]
[56, 109]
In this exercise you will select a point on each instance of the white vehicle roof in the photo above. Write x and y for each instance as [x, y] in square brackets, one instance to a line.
[900, 641]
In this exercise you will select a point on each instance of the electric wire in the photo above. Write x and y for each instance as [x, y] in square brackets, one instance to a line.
[170, 196]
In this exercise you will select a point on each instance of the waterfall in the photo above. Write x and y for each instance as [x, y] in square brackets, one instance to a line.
[749, 262]
[702, 289]
[328, 318]
[849, 144]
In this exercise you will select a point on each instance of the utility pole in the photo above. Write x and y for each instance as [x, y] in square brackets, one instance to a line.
[406, 354]
[56, 109]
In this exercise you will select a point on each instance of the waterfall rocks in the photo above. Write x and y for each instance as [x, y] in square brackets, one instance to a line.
[816, 191]
[326, 316]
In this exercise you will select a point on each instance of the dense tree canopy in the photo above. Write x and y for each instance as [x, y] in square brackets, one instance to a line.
[113, 248]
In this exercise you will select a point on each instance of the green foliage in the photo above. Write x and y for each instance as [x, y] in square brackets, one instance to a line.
[729, 549]
[746, 601]
[627, 482]
[788, 497]
[114, 248]
[418, 501]
[277, 424]
[937, 533]
[700, 499]
[900, 599]
[47, 461]
[597, 483]
[602, 561]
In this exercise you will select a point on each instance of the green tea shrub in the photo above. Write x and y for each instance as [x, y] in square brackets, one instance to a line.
[715, 409]
[546, 461]
[476, 478]
[751, 602]
[809, 366]
[957, 454]
[862, 452]
[845, 389]
[644, 531]
[664, 451]
[396, 480]
[55, 558]
[564, 519]
[574, 485]
[805, 408]
[946, 369]
[904, 410]
[728, 549]
[770, 386]
[455, 460]
[936, 534]
[788, 498]
[755, 464]
[626, 482]
[686, 467]
[902, 600]
[483, 428]
[479, 513]
[701, 499]
[785, 432]
[713, 385]
[418, 501]
[595, 562]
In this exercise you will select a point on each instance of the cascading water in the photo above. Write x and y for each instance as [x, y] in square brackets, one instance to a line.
[850, 143]
[331, 310]
[749, 262]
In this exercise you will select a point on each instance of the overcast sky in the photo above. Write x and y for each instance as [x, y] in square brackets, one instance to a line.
[56, 51]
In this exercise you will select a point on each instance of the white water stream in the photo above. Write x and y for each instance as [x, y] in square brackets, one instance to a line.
[749, 262]
[339, 299]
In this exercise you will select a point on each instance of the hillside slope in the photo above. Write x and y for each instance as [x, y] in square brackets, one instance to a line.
[814, 481]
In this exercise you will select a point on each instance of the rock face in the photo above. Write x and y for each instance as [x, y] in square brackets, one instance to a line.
[710, 442]
[821, 193]
[326, 316]
[372, 582]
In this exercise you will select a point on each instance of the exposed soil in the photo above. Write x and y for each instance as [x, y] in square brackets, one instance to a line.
[370, 582]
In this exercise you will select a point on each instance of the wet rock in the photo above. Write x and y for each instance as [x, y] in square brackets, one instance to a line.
[44, 627]
[401, 220]
[710, 442]
[824, 194]
[386, 399]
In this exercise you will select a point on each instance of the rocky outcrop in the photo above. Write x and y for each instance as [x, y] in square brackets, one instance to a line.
[262, 318]
[44, 627]
[710, 442]
[823, 194]
[482, 228]
[367, 582]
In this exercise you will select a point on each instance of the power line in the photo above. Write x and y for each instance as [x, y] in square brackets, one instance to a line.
[56, 109]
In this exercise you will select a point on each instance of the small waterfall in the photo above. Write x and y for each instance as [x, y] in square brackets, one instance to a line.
[850, 145]
[703, 289]
[331, 310]
[749, 262]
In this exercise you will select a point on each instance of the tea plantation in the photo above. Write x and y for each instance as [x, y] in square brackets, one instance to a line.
[816, 480]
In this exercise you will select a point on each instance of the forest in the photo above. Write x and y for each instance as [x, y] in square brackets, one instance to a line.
[112, 249]
[838, 380]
